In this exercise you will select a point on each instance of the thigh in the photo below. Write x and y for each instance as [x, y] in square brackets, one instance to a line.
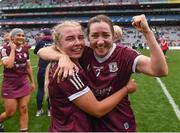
[10, 104]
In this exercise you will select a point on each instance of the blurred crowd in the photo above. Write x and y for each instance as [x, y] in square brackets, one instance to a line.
[130, 36]
[22, 3]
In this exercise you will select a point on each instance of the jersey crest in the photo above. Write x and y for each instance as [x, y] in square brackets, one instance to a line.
[113, 67]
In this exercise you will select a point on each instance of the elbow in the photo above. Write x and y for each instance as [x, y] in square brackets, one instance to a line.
[162, 73]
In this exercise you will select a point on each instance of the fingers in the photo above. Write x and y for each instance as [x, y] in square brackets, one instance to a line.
[65, 74]
[56, 72]
[59, 75]
[140, 23]
[132, 86]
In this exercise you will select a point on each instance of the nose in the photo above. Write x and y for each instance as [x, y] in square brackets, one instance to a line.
[100, 40]
[77, 42]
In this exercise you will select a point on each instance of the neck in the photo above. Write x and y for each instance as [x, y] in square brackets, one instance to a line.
[75, 61]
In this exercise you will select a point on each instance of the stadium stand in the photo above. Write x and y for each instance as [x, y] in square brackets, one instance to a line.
[32, 15]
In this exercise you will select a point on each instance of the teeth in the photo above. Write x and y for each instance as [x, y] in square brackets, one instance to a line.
[100, 47]
[77, 50]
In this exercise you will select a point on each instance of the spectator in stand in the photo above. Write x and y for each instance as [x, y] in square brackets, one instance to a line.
[45, 39]
[117, 34]
[16, 88]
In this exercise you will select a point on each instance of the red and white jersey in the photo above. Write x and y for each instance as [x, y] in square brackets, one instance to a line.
[21, 58]
[164, 45]
[107, 75]
[65, 115]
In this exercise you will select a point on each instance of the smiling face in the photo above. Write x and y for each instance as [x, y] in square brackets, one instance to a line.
[100, 35]
[100, 38]
[71, 41]
[18, 39]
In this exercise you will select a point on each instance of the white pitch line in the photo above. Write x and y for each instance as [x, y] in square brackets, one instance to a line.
[169, 97]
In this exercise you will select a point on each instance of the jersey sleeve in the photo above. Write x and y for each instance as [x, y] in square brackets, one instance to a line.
[130, 57]
[75, 87]
[4, 52]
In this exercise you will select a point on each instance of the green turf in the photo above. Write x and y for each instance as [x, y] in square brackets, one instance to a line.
[151, 107]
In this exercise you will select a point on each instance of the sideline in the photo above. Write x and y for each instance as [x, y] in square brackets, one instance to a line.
[169, 97]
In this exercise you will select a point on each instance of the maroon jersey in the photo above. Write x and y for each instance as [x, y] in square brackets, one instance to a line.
[15, 83]
[21, 57]
[106, 76]
[65, 115]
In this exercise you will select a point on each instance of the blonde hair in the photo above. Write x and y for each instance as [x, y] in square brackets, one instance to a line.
[14, 31]
[117, 32]
[56, 30]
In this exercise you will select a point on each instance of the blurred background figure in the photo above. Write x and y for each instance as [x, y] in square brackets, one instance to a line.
[6, 38]
[45, 39]
[117, 34]
[164, 46]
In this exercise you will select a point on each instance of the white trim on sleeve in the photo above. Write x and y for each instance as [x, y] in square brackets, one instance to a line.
[78, 94]
[135, 63]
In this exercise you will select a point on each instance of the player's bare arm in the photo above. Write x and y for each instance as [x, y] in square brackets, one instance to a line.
[66, 67]
[155, 65]
[92, 106]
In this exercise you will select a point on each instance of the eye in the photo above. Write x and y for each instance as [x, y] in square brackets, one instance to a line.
[70, 39]
[106, 35]
[94, 36]
[81, 37]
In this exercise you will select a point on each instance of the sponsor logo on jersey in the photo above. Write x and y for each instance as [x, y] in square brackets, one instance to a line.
[126, 125]
[5, 94]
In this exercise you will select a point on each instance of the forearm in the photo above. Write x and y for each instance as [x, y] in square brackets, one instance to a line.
[157, 58]
[49, 53]
[9, 62]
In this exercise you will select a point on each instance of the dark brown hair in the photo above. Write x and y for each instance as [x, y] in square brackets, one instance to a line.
[98, 19]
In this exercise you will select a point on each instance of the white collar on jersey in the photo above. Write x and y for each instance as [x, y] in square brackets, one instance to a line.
[101, 60]
[18, 49]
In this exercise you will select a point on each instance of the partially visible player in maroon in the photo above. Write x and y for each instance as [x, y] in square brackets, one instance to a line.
[70, 99]
[16, 88]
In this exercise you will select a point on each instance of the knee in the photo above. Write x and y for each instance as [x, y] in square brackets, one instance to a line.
[10, 112]
[23, 109]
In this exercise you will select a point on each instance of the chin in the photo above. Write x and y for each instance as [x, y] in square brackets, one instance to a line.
[101, 55]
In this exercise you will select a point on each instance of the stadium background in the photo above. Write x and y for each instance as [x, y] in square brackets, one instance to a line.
[164, 18]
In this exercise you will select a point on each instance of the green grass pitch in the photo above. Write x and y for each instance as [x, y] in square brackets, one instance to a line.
[151, 107]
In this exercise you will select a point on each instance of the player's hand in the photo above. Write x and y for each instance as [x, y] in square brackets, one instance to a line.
[140, 23]
[12, 45]
[32, 87]
[131, 86]
[66, 69]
